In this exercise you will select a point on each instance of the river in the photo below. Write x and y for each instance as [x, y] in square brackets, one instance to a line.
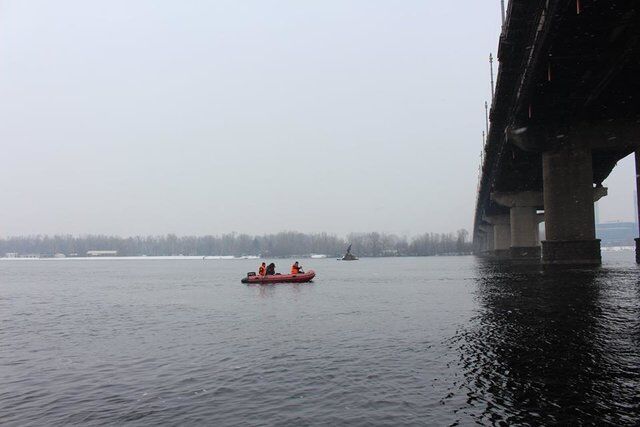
[394, 341]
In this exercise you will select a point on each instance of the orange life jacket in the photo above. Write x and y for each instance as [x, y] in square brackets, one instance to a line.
[262, 270]
[295, 269]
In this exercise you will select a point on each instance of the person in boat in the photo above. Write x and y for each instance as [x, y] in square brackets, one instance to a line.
[271, 269]
[296, 268]
[263, 269]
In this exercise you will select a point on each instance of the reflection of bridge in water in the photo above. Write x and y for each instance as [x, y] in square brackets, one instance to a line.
[565, 111]
[553, 348]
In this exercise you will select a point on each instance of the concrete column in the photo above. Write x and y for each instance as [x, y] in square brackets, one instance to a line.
[523, 206]
[489, 237]
[484, 248]
[482, 244]
[502, 240]
[638, 201]
[501, 235]
[524, 232]
[477, 244]
[568, 203]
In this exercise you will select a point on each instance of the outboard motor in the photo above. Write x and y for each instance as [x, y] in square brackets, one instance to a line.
[249, 274]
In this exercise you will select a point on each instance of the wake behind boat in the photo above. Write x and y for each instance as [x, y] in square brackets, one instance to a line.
[253, 278]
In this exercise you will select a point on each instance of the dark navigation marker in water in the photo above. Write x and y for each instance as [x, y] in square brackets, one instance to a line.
[348, 256]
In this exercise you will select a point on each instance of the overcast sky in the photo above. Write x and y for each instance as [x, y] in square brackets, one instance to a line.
[191, 117]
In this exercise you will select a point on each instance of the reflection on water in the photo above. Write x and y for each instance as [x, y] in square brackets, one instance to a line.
[552, 346]
[270, 290]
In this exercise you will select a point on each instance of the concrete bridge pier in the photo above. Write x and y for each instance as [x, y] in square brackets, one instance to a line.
[501, 235]
[525, 234]
[488, 239]
[524, 221]
[483, 245]
[478, 243]
[568, 203]
[638, 201]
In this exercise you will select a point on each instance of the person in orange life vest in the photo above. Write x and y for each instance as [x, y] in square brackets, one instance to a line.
[263, 269]
[296, 268]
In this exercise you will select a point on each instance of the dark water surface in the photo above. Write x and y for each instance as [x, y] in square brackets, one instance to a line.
[412, 341]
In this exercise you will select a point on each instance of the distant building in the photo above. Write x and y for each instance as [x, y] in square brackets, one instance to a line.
[617, 233]
[11, 255]
[102, 253]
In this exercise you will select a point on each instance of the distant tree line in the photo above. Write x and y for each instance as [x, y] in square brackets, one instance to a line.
[273, 245]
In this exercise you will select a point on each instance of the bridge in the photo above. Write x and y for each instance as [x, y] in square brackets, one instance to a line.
[566, 109]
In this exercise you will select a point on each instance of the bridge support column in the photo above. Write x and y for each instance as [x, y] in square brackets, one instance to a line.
[501, 235]
[489, 239]
[524, 219]
[482, 245]
[638, 201]
[484, 248]
[568, 203]
[524, 233]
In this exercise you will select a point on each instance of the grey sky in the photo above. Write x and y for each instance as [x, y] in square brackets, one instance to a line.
[193, 117]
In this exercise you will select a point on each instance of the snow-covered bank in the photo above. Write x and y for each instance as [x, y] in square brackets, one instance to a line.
[617, 248]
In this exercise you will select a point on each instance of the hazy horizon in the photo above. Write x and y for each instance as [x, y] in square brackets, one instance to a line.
[152, 117]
